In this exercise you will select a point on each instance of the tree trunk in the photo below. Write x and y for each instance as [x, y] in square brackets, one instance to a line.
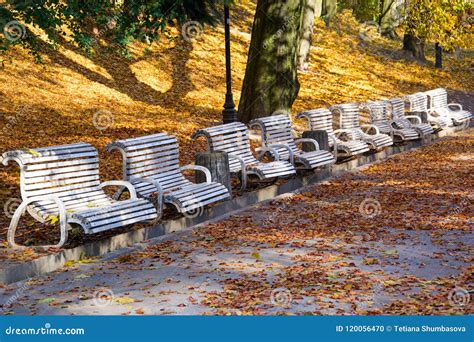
[329, 10]
[271, 83]
[439, 56]
[386, 18]
[318, 8]
[414, 45]
[306, 33]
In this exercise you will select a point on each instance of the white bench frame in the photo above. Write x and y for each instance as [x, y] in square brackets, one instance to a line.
[379, 117]
[276, 133]
[322, 119]
[349, 120]
[438, 103]
[418, 103]
[159, 157]
[400, 120]
[233, 138]
[44, 179]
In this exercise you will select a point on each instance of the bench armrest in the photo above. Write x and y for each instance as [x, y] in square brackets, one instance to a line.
[21, 209]
[199, 168]
[128, 185]
[369, 127]
[308, 140]
[416, 118]
[159, 192]
[243, 170]
[334, 145]
[339, 132]
[264, 149]
[290, 151]
[455, 105]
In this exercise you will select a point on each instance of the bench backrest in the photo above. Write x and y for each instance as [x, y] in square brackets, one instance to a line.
[318, 119]
[398, 108]
[349, 115]
[378, 111]
[57, 170]
[154, 156]
[276, 129]
[232, 138]
[437, 98]
[418, 102]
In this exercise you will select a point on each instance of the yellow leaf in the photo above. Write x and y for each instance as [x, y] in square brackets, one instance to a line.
[124, 300]
[52, 219]
[33, 152]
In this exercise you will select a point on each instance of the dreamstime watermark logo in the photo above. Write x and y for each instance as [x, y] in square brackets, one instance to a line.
[14, 31]
[22, 288]
[103, 297]
[273, 217]
[196, 211]
[191, 30]
[109, 26]
[103, 119]
[281, 297]
[278, 120]
[278, 124]
[465, 203]
[290, 22]
[13, 120]
[459, 297]
[370, 208]
[46, 330]
[10, 206]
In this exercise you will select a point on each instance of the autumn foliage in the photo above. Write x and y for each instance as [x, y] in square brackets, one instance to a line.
[178, 86]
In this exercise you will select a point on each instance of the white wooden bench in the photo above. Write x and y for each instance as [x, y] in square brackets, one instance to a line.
[379, 115]
[349, 120]
[343, 142]
[151, 164]
[438, 103]
[418, 103]
[233, 138]
[276, 133]
[400, 120]
[61, 183]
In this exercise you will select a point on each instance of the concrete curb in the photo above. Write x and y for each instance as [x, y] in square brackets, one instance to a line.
[52, 262]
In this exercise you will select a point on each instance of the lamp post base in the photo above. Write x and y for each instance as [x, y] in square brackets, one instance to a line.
[229, 115]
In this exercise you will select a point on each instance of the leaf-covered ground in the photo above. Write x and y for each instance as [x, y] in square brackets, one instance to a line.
[178, 87]
[393, 238]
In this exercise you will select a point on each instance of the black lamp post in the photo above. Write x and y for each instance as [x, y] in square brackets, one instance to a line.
[229, 114]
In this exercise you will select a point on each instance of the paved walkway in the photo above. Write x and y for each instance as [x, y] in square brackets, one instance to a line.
[394, 238]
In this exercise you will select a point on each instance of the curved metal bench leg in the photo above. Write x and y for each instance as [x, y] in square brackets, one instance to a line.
[159, 206]
[14, 225]
[119, 193]
[243, 179]
[243, 182]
